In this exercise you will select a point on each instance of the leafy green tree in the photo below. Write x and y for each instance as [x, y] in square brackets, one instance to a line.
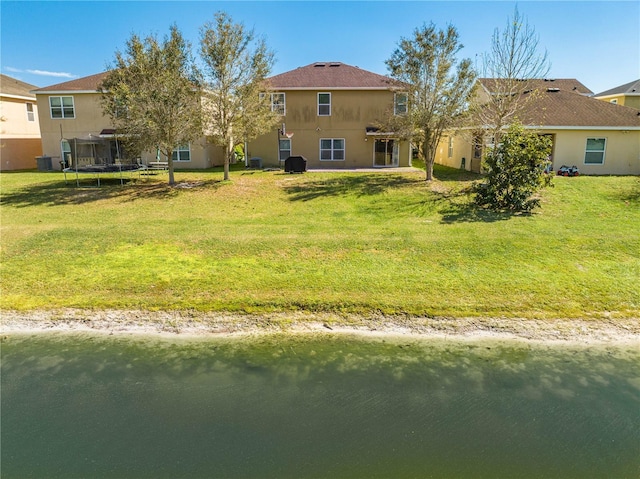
[236, 65]
[515, 171]
[152, 96]
[439, 87]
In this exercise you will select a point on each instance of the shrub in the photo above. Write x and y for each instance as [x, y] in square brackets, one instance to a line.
[515, 171]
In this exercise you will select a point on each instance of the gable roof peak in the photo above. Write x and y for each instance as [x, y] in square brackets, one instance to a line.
[332, 75]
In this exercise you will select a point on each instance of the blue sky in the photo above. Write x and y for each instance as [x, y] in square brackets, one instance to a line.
[43, 43]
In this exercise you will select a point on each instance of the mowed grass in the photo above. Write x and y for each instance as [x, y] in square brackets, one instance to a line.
[339, 242]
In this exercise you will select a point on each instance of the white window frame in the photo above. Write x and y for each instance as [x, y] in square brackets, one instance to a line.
[31, 115]
[333, 150]
[450, 148]
[400, 107]
[276, 106]
[614, 101]
[65, 149]
[587, 151]
[281, 157]
[181, 149]
[62, 108]
[395, 152]
[324, 104]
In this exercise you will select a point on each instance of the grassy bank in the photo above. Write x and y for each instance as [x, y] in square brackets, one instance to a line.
[344, 242]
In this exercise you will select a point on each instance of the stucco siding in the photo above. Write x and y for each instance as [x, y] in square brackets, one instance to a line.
[14, 122]
[19, 153]
[352, 111]
[622, 151]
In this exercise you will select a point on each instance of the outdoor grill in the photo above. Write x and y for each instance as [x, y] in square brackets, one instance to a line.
[295, 164]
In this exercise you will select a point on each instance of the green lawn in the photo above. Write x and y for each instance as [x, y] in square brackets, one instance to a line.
[344, 242]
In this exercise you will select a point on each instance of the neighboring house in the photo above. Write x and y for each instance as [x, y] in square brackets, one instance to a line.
[331, 114]
[599, 138]
[72, 110]
[19, 129]
[625, 95]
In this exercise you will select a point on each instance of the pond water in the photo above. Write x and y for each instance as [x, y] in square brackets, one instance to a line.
[79, 406]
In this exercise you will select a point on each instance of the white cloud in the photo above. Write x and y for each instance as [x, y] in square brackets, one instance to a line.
[51, 74]
[13, 70]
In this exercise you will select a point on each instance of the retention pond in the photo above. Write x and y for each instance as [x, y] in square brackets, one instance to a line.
[296, 406]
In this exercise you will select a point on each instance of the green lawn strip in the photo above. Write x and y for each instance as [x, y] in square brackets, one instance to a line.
[348, 242]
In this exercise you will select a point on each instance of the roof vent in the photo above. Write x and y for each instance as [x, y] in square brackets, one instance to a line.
[319, 65]
[334, 65]
[553, 90]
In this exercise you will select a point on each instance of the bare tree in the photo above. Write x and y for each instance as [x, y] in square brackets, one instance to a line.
[236, 67]
[152, 96]
[508, 69]
[439, 87]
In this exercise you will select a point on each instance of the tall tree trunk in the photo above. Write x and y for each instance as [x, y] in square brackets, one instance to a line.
[227, 159]
[172, 180]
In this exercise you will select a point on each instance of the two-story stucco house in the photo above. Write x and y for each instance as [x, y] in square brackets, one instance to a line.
[626, 95]
[72, 110]
[19, 128]
[598, 137]
[331, 114]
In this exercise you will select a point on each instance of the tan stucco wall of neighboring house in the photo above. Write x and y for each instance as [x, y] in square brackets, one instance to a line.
[453, 148]
[202, 153]
[19, 137]
[621, 156]
[622, 151]
[632, 101]
[351, 112]
[90, 120]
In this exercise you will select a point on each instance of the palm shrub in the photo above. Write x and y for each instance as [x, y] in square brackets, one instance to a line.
[514, 171]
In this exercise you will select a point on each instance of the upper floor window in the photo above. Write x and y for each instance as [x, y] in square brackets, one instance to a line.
[278, 103]
[324, 104]
[614, 101]
[30, 113]
[594, 153]
[400, 104]
[62, 107]
[450, 149]
[182, 153]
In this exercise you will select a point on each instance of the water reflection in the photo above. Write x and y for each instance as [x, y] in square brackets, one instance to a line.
[281, 406]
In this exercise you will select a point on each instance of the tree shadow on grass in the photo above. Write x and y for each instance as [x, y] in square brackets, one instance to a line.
[348, 185]
[61, 193]
[458, 207]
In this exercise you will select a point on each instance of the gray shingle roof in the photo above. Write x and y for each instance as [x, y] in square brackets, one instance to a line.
[631, 88]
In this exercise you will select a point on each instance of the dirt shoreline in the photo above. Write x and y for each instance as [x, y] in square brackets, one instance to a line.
[189, 323]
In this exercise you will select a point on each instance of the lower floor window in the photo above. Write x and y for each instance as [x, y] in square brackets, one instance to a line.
[332, 149]
[594, 154]
[284, 149]
[182, 153]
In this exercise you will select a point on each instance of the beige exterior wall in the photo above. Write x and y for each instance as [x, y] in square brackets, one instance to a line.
[625, 100]
[622, 150]
[90, 120]
[453, 148]
[19, 137]
[351, 112]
